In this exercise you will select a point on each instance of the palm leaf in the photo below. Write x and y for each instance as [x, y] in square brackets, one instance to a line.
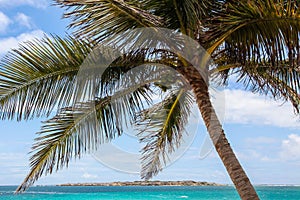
[142, 65]
[255, 29]
[101, 18]
[114, 75]
[74, 131]
[39, 75]
[59, 141]
[260, 42]
[163, 127]
[282, 83]
[180, 15]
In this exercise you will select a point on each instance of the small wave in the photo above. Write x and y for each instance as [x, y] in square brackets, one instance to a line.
[184, 197]
[32, 192]
[5, 193]
[279, 185]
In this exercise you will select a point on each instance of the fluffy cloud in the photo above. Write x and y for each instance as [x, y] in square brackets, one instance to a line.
[247, 108]
[12, 42]
[89, 176]
[33, 3]
[23, 20]
[260, 140]
[4, 21]
[291, 148]
[20, 18]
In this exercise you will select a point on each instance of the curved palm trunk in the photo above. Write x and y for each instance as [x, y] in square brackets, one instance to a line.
[216, 132]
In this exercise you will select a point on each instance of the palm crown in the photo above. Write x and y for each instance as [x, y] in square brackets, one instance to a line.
[256, 42]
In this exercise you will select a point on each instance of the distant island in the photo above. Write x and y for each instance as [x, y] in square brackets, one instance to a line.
[146, 183]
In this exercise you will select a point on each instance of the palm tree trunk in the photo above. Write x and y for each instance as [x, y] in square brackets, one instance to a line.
[216, 132]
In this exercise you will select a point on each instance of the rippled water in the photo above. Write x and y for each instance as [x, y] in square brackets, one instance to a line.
[146, 192]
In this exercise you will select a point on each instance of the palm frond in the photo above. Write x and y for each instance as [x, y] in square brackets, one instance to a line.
[178, 14]
[82, 128]
[39, 75]
[59, 141]
[114, 75]
[142, 65]
[260, 41]
[75, 130]
[101, 18]
[256, 30]
[163, 126]
[282, 83]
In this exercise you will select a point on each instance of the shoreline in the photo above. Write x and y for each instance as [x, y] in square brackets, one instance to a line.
[146, 183]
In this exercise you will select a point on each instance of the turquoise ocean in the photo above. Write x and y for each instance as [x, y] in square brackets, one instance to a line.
[147, 192]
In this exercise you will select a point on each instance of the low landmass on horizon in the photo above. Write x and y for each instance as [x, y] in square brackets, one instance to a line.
[146, 183]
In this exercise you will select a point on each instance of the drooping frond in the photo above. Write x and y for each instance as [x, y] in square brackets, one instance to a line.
[256, 29]
[101, 18]
[39, 75]
[259, 40]
[82, 128]
[162, 129]
[282, 83]
[59, 141]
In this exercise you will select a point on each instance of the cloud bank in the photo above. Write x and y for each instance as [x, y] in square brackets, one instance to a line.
[291, 148]
[34, 3]
[244, 107]
[4, 22]
[24, 20]
[13, 42]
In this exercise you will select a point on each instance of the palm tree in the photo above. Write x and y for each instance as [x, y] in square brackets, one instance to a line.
[257, 42]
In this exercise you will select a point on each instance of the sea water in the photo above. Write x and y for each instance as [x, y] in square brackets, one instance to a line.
[145, 192]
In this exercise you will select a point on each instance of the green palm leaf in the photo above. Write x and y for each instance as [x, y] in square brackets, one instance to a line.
[39, 75]
[163, 126]
[113, 76]
[256, 29]
[101, 18]
[282, 83]
[80, 129]
[259, 41]
[74, 131]
[104, 18]
[59, 141]
[183, 15]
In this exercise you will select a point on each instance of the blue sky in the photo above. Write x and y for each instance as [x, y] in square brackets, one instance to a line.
[264, 134]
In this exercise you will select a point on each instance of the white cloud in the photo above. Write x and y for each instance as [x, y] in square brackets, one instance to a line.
[260, 140]
[219, 174]
[291, 148]
[12, 42]
[23, 20]
[4, 22]
[254, 155]
[247, 108]
[33, 3]
[89, 176]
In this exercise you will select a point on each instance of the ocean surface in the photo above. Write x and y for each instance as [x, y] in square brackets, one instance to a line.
[147, 192]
